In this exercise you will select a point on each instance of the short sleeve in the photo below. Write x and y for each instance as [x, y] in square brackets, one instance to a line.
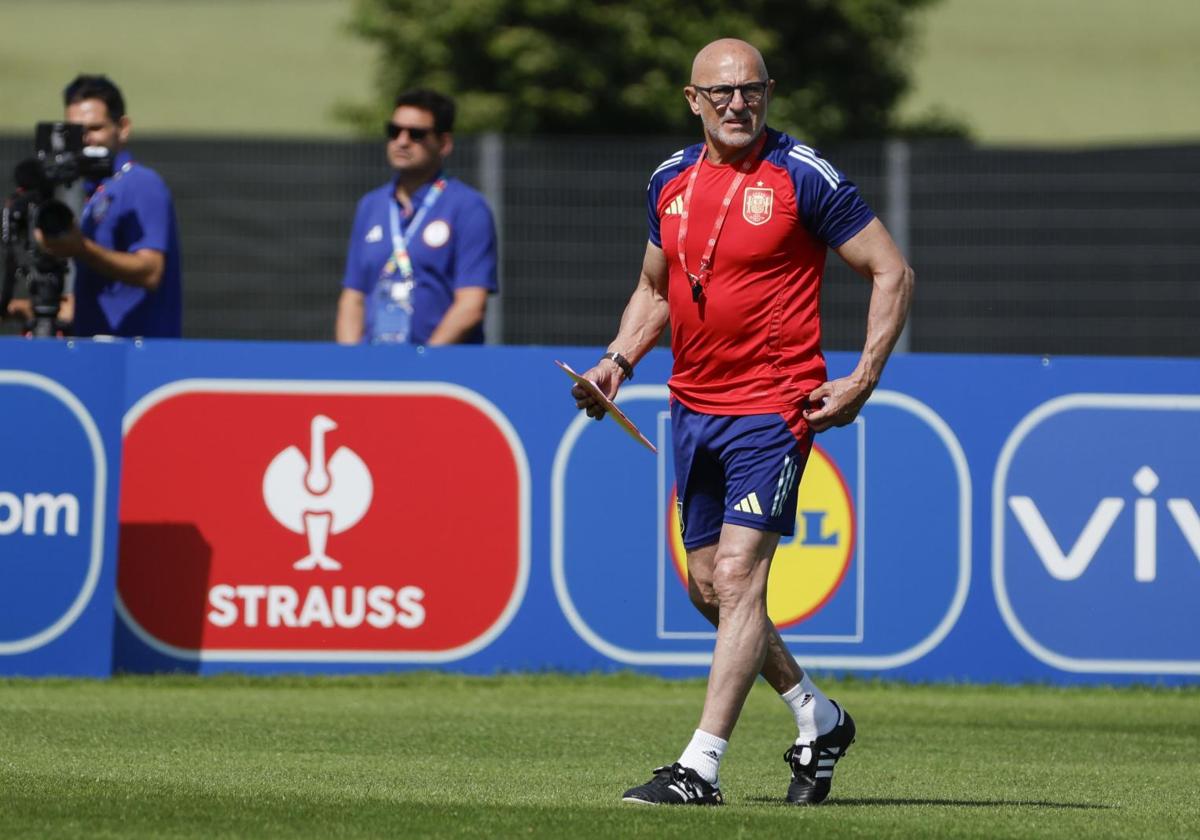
[666, 170]
[354, 277]
[652, 192]
[475, 246]
[145, 221]
[831, 206]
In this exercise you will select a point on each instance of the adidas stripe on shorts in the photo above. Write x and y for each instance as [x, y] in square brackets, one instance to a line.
[739, 469]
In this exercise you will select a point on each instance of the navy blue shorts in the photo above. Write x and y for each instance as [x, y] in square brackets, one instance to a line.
[743, 470]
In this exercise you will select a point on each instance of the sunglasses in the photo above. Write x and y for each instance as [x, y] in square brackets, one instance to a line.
[415, 134]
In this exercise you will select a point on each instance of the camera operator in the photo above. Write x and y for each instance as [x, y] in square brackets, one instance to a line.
[126, 243]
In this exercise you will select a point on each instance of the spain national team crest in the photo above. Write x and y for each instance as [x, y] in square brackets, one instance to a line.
[757, 203]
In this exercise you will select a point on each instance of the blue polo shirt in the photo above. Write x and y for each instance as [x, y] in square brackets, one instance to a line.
[454, 248]
[130, 211]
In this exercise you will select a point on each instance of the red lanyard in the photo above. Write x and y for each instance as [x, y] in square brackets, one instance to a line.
[700, 279]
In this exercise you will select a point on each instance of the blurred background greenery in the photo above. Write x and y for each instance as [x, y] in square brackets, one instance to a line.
[1044, 72]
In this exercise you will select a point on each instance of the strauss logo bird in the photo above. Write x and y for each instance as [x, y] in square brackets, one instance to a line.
[317, 499]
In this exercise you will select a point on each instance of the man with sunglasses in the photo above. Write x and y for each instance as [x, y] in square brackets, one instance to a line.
[422, 256]
[126, 244]
[739, 229]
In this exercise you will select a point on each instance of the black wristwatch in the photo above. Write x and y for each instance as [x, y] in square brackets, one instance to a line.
[621, 361]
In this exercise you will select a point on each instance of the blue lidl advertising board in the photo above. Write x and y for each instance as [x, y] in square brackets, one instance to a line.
[288, 507]
[843, 593]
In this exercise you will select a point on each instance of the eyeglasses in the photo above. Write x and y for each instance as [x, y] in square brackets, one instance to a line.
[722, 95]
[415, 134]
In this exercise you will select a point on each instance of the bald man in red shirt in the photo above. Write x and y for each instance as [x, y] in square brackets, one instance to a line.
[739, 229]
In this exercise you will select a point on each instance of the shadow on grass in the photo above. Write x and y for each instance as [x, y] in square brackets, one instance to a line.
[958, 803]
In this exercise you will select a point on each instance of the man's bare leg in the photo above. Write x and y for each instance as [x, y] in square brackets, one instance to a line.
[814, 755]
[741, 566]
[779, 669]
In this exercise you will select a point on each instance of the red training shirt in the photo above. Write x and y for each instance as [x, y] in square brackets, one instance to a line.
[752, 344]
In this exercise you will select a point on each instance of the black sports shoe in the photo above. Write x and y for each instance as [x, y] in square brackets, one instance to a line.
[812, 764]
[675, 785]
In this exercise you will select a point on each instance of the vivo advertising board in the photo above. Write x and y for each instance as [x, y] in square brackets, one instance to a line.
[60, 408]
[1096, 557]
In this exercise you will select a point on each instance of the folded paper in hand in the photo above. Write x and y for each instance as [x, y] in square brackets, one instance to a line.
[608, 405]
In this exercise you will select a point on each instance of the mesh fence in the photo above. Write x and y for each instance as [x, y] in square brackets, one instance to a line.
[1016, 251]
[1087, 252]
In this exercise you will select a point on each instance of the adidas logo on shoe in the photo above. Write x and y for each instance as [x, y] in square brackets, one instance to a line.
[812, 764]
[675, 785]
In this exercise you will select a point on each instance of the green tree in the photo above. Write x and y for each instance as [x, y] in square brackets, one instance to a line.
[618, 67]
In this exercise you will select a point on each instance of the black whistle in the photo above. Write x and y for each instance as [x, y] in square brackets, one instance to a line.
[697, 290]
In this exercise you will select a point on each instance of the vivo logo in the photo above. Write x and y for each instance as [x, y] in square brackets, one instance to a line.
[24, 513]
[1072, 563]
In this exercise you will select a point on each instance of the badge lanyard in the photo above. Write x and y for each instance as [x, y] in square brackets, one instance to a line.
[400, 241]
[700, 279]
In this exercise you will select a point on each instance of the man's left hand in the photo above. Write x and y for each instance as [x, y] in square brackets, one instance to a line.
[20, 308]
[836, 403]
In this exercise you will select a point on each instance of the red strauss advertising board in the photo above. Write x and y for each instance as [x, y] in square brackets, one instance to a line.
[320, 521]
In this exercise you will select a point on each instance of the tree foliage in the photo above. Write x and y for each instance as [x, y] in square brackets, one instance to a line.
[619, 66]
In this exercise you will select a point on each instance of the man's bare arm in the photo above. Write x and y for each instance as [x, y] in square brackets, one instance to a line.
[142, 268]
[873, 254]
[645, 317]
[348, 328]
[464, 314]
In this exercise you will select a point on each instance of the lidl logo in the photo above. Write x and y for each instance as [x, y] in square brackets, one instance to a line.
[810, 566]
[321, 521]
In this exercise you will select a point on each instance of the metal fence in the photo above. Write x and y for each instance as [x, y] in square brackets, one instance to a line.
[1016, 250]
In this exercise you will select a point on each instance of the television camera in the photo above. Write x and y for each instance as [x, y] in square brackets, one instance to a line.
[35, 204]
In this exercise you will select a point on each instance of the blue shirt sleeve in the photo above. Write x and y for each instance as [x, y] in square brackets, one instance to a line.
[667, 171]
[145, 221]
[354, 277]
[475, 246]
[652, 192]
[831, 207]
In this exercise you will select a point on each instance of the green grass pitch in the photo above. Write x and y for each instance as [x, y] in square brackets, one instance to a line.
[437, 755]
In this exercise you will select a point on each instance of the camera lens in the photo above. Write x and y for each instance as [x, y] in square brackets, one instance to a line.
[55, 218]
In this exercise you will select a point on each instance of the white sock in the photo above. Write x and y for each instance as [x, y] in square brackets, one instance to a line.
[703, 755]
[815, 714]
